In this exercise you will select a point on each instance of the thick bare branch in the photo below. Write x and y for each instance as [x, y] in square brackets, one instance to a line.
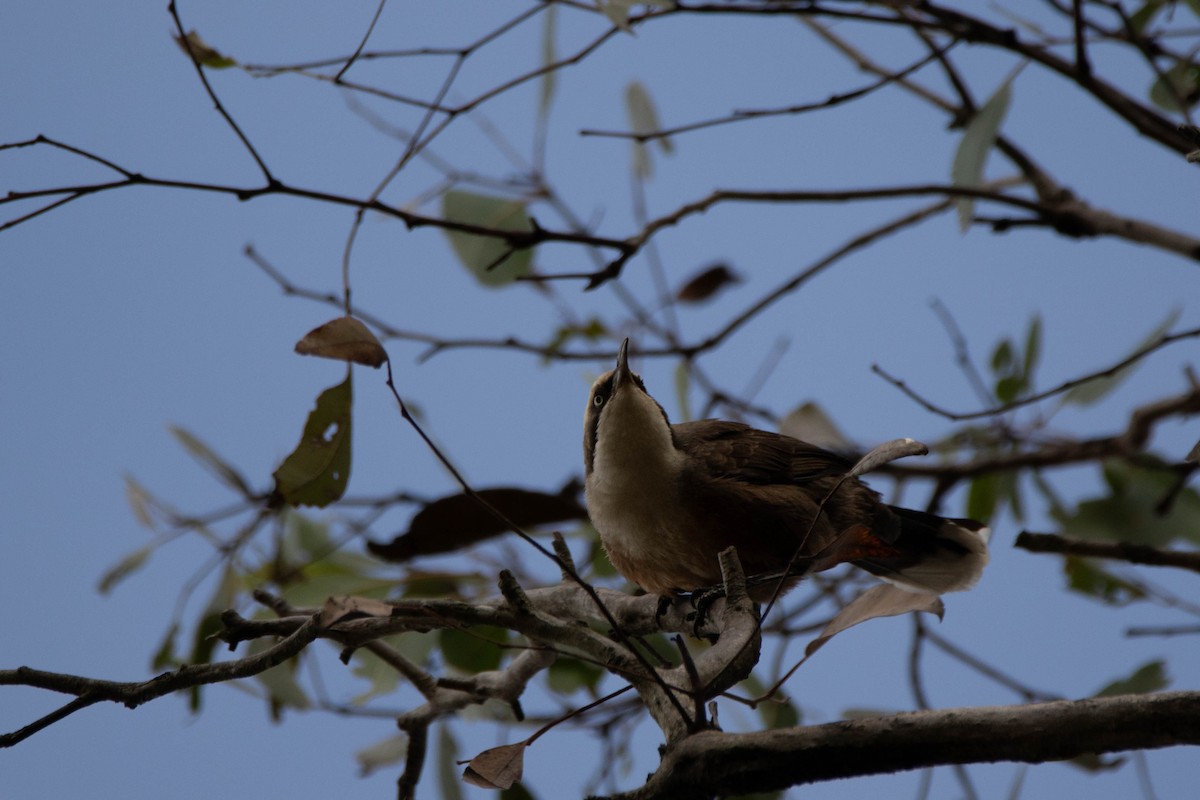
[1122, 551]
[712, 762]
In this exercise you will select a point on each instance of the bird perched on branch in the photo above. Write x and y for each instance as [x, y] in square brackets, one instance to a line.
[667, 499]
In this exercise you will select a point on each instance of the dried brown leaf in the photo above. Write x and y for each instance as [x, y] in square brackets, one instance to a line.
[342, 607]
[496, 768]
[706, 284]
[344, 339]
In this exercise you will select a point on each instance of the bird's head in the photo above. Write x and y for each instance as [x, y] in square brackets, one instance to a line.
[622, 414]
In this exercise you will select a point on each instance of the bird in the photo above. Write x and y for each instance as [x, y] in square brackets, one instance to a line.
[667, 498]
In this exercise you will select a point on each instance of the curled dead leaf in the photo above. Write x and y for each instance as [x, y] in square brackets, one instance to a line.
[344, 339]
[707, 283]
[342, 607]
[496, 768]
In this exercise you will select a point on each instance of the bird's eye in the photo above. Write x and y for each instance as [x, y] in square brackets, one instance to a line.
[598, 400]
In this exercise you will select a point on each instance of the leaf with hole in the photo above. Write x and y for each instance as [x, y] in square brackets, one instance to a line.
[491, 259]
[317, 471]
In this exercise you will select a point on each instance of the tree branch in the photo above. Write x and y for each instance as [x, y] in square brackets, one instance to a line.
[1123, 551]
[713, 762]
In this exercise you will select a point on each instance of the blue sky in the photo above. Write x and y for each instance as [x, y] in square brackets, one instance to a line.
[132, 311]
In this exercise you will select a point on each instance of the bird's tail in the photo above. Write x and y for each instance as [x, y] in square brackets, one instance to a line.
[931, 554]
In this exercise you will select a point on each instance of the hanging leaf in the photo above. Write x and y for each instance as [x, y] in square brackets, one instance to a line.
[211, 461]
[883, 600]
[204, 638]
[280, 682]
[707, 284]
[886, 453]
[317, 471]
[977, 142]
[343, 339]
[569, 675]
[201, 53]
[492, 260]
[1085, 394]
[643, 120]
[497, 768]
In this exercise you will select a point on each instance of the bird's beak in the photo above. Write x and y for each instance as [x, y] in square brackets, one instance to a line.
[622, 375]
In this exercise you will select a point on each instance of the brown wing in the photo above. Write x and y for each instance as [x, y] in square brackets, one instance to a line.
[736, 451]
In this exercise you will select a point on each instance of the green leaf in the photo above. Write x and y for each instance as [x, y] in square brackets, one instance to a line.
[643, 119]
[976, 144]
[1008, 389]
[447, 768]
[1130, 511]
[204, 55]
[1139, 19]
[280, 682]
[317, 471]
[1002, 358]
[474, 650]
[569, 675]
[1085, 577]
[164, 656]
[1085, 394]
[1150, 677]
[983, 497]
[1178, 88]
[549, 78]
[204, 639]
[490, 259]
[211, 461]
[124, 568]
[1033, 350]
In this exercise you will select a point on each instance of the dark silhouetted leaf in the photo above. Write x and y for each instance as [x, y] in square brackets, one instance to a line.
[1033, 350]
[497, 768]
[976, 144]
[203, 55]
[343, 339]
[457, 521]
[490, 259]
[706, 285]
[211, 461]
[1150, 677]
[809, 423]
[883, 600]
[317, 471]
[516, 792]
[474, 650]
[1086, 394]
